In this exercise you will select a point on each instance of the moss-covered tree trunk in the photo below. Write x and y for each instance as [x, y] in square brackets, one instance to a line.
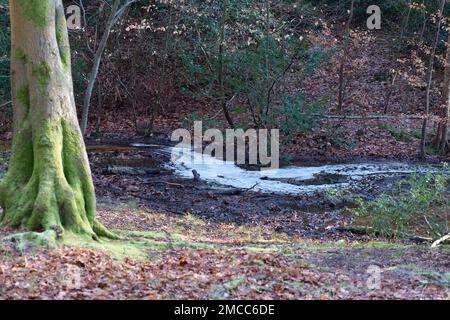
[48, 185]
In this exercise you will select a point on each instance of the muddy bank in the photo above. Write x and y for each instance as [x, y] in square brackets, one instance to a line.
[137, 173]
[314, 215]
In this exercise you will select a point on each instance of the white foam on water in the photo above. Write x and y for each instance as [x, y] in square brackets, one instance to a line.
[226, 173]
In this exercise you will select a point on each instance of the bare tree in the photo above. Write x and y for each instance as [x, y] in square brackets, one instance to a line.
[404, 27]
[441, 142]
[430, 78]
[221, 63]
[117, 12]
[346, 42]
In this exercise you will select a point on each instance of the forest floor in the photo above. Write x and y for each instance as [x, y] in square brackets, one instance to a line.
[184, 257]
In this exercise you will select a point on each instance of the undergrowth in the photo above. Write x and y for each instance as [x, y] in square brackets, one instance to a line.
[420, 205]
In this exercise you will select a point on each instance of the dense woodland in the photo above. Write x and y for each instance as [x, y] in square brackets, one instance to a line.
[363, 115]
[264, 64]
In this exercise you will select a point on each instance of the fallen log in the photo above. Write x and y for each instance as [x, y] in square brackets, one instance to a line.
[364, 230]
[132, 171]
[232, 191]
[227, 192]
[374, 117]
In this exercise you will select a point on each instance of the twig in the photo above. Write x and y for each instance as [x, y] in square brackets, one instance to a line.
[428, 223]
[228, 103]
[251, 188]
[5, 104]
[165, 182]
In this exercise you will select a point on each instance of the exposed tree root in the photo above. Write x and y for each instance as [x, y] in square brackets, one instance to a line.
[49, 186]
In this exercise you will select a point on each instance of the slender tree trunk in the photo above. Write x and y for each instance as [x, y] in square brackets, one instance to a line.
[404, 28]
[424, 24]
[430, 79]
[99, 110]
[221, 64]
[95, 68]
[344, 57]
[441, 141]
[48, 186]
[164, 83]
[267, 62]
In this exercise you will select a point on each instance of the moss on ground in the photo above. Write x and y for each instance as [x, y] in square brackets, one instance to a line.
[120, 249]
[139, 244]
[29, 240]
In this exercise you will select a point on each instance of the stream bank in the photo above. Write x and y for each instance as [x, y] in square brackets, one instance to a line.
[309, 201]
[197, 239]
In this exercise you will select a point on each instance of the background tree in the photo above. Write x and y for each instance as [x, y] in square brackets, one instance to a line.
[430, 76]
[48, 185]
[345, 52]
[441, 142]
[117, 12]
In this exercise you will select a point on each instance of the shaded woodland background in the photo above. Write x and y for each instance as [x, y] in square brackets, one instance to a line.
[259, 63]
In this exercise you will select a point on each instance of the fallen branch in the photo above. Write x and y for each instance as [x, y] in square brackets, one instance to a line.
[441, 240]
[372, 117]
[164, 182]
[234, 191]
[251, 188]
[131, 171]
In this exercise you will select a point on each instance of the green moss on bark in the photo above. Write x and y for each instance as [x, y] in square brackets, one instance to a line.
[23, 96]
[63, 42]
[53, 189]
[21, 56]
[37, 11]
[42, 72]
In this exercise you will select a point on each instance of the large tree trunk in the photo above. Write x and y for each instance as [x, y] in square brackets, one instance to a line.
[48, 185]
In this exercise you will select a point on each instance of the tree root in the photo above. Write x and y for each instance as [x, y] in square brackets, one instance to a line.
[49, 187]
